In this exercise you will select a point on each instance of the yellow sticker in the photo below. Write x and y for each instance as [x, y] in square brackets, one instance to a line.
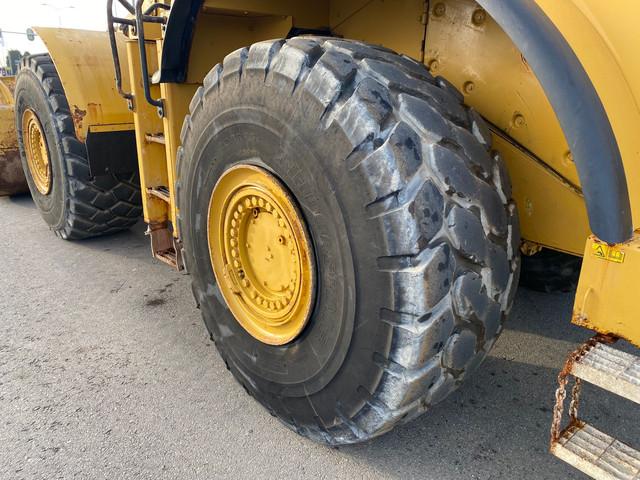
[605, 252]
[615, 255]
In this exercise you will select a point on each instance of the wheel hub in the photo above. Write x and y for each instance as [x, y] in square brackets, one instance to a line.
[261, 254]
[36, 152]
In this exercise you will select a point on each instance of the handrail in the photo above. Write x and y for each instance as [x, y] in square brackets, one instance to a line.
[140, 19]
[114, 46]
[156, 6]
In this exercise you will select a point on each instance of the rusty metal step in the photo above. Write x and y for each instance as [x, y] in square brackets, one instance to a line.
[615, 371]
[597, 454]
[164, 246]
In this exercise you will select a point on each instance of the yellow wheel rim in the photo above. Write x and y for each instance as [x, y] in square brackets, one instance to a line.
[261, 254]
[36, 151]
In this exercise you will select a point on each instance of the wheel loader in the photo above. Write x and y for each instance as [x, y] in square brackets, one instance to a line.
[352, 186]
[12, 180]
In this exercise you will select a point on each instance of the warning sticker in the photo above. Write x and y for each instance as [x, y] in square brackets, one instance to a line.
[605, 252]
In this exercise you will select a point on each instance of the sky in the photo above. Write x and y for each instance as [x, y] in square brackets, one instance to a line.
[18, 15]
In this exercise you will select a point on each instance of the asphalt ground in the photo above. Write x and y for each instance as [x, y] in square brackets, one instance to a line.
[106, 371]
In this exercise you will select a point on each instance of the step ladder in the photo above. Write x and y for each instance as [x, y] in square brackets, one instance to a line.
[593, 452]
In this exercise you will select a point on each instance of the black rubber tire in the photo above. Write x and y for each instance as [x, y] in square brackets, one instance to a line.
[78, 205]
[549, 271]
[415, 236]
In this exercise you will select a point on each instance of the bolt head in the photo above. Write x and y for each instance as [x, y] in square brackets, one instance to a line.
[519, 121]
[469, 87]
[479, 17]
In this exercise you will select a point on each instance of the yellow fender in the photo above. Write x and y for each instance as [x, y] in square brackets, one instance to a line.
[85, 66]
[582, 55]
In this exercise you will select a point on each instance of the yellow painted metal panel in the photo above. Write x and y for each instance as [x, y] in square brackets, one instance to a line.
[11, 175]
[7, 84]
[84, 63]
[605, 299]
[218, 35]
[397, 24]
[176, 104]
[341, 10]
[552, 211]
[8, 136]
[8, 139]
[305, 14]
[151, 155]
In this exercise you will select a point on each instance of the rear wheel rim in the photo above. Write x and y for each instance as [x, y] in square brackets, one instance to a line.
[36, 152]
[261, 254]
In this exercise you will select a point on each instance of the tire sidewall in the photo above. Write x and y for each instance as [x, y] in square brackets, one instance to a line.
[351, 290]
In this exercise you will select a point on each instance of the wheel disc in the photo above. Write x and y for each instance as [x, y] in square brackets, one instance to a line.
[36, 152]
[261, 254]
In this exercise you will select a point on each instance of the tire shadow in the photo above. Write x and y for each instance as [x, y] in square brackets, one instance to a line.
[22, 200]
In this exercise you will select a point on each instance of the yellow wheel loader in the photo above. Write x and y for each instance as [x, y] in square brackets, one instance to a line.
[12, 179]
[351, 186]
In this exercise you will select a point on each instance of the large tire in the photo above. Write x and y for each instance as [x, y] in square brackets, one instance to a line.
[416, 238]
[78, 205]
[549, 271]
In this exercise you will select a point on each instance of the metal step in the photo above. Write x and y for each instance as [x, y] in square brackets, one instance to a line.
[610, 369]
[160, 192]
[597, 454]
[157, 138]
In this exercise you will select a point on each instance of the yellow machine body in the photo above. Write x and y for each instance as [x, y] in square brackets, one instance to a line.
[459, 41]
[454, 38]
[605, 300]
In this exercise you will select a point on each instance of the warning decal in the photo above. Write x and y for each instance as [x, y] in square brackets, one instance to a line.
[605, 252]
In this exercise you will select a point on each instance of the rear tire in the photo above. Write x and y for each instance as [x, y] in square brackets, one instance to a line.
[77, 205]
[410, 213]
